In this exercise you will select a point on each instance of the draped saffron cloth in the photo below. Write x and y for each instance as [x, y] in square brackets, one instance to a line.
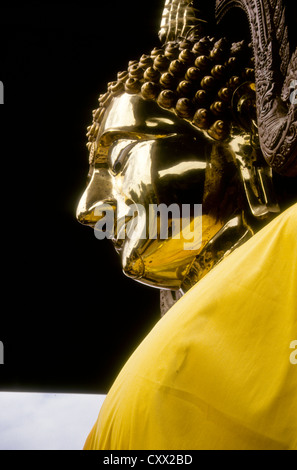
[215, 372]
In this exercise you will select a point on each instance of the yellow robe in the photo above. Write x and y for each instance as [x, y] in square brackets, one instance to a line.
[218, 371]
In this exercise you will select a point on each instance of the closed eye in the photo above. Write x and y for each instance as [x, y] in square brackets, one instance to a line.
[118, 154]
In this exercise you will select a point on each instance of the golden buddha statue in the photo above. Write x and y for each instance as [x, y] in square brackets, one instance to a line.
[202, 122]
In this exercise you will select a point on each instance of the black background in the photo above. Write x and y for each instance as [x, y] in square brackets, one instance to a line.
[69, 317]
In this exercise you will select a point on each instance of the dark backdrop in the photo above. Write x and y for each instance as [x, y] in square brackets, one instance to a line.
[69, 317]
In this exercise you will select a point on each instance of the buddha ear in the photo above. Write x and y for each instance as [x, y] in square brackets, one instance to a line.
[258, 184]
[256, 174]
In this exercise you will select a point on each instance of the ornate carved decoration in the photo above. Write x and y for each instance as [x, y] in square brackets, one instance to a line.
[274, 73]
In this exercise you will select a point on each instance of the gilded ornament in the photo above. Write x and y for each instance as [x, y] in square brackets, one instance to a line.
[172, 51]
[117, 88]
[146, 61]
[122, 76]
[156, 51]
[184, 108]
[220, 49]
[218, 71]
[218, 108]
[202, 47]
[219, 130]
[201, 98]
[185, 44]
[93, 130]
[234, 82]
[208, 83]
[151, 74]
[150, 90]
[203, 63]
[135, 71]
[249, 74]
[225, 94]
[177, 68]
[105, 99]
[89, 145]
[193, 74]
[161, 63]
[131, 63]
[98, 114]
[167, 80]
[237, 47]
[202, 118]
[186, 57]
[167, 99]
[132, 85]
[185, 88]
[231, 63]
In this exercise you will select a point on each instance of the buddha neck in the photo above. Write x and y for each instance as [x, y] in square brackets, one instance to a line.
[232, 235]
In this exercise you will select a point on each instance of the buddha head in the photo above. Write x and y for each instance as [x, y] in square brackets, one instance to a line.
[177, 132]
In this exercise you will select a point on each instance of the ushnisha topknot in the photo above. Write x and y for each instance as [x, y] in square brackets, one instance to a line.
[194, 80]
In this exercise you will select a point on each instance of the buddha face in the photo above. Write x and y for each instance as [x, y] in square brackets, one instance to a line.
[145, 157]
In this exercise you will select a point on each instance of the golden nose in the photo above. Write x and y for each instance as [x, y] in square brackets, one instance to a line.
[90, 215]
[98, 192]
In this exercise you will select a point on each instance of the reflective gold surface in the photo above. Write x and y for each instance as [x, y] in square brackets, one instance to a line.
[145, 155]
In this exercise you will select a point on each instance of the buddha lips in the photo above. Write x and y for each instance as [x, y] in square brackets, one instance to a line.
[155, 222]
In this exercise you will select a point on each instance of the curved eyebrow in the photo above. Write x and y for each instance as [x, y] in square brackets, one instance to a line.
[100, 155]
[138, 133]
[131, 117]
[110, 136]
